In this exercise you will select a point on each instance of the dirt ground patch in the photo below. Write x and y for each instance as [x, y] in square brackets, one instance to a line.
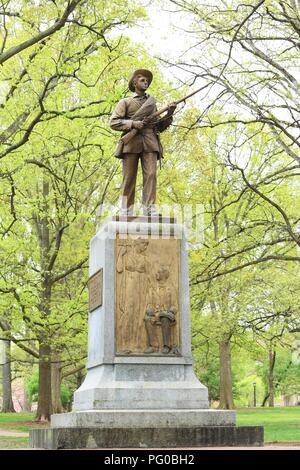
[7, 433]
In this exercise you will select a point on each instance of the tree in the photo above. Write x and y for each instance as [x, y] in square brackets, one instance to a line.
[56, 169]
[255, 42]
[21, 16]
[240, 53]
[7, 402]
[241, 231]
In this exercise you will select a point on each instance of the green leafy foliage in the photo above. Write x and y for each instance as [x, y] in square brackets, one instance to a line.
[57, 167]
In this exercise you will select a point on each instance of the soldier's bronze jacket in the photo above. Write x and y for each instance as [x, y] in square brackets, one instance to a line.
[147, 139]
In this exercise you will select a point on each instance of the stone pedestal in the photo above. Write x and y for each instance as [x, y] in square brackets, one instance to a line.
[140, 389]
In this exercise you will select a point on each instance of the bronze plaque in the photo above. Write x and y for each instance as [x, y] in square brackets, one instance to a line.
[95, 285]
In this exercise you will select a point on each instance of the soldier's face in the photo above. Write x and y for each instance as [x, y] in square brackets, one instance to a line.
[141, 83]
[162, 275]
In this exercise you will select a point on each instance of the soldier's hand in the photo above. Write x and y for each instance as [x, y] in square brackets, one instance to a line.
[137, 124]
[171, 108]
[147, 120]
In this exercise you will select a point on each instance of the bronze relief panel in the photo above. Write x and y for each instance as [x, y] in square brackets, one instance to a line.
[147, 296]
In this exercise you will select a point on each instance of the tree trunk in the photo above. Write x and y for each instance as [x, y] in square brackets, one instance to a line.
[27, 399]
[272, 357]
[265, 400]
[79, 378]
[7, 405]
[55, 386]
[45, 400]
[45, 403]
[226, 396]
[27, 402]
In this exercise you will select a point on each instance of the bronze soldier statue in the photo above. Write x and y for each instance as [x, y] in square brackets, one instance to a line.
[133, 113]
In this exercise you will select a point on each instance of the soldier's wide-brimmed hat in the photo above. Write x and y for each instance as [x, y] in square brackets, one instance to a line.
[144, 72]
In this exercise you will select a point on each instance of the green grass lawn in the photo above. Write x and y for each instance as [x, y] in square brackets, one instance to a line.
[14, 443]
[281, 424]
[18, 422]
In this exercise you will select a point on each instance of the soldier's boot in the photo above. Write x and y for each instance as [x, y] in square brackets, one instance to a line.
[150, 336]
[166, 331]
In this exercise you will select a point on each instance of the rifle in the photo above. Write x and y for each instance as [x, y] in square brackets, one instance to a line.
[129, 135]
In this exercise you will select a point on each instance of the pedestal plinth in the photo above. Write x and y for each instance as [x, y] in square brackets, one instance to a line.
[140, 388]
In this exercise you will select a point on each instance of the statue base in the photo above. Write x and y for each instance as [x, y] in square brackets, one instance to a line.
[146, 437]
[130, 397]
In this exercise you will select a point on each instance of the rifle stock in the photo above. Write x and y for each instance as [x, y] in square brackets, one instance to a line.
[127, 137]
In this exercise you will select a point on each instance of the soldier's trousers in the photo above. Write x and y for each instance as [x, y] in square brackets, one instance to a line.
[130, 169]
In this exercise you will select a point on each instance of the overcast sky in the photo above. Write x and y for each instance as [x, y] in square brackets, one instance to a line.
[161, 34]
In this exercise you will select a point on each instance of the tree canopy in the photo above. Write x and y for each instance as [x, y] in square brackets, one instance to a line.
[234, 149]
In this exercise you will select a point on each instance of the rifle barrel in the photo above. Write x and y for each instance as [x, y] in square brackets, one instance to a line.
[178, 101]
